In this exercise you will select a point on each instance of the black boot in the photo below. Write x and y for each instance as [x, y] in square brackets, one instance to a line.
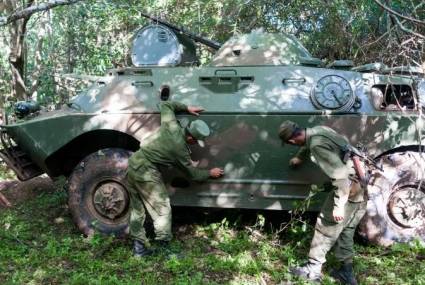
[140, 250]
[345, 274]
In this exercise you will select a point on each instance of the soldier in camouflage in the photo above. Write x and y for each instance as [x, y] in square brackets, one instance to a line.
[344, 206]
[167, 147]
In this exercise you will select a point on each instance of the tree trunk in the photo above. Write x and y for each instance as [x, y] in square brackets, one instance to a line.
[17, 58]
[17, 20]
[17, 31]
[44, 25]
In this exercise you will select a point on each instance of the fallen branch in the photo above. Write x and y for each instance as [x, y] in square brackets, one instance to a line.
[4, 202]
[5, 185]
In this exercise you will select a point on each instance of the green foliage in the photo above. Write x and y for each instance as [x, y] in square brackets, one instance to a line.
[6, 173]
[40, 245]
[92, 36]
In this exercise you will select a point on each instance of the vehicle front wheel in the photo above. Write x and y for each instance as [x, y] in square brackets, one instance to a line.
[98, 197]
[396, 205]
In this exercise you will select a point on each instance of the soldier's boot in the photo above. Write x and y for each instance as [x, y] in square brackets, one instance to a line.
[309, 272]
[345, 274]
[140, 250]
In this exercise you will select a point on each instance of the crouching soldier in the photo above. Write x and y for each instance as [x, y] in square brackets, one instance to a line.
[344, 206]
[167, 147]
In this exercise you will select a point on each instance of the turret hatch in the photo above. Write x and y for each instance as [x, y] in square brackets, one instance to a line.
[158, 45]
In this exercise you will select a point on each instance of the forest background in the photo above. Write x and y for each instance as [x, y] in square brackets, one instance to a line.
[42, 42]
[47, 48]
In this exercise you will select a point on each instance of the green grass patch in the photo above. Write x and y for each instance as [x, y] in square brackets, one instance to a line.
[40, 245]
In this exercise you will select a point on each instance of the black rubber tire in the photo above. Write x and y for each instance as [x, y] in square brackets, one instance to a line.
[402, 171]
[103, 166]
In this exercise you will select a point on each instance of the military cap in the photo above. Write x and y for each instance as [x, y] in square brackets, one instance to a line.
[199, 130]
[286, 130]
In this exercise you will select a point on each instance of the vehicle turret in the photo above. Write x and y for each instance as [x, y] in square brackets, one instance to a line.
[260, 48]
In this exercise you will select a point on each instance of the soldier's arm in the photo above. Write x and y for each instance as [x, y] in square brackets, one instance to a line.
[184, 162]
[303, 153]
[330, 162]
[169, 109]
[299, 158]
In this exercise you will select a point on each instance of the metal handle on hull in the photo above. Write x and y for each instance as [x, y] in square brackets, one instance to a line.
[292, 80]
[225, 72]
[142, 83]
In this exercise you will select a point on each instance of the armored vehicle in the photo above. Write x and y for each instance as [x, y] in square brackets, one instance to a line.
[253, 83]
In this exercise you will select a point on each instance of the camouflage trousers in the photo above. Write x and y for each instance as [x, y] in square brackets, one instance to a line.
[328, 233]
[150, 196]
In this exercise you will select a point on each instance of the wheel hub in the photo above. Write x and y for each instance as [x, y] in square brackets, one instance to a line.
[110, 199]
[407, 207]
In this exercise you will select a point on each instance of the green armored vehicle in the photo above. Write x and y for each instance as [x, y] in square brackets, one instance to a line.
[253, 83]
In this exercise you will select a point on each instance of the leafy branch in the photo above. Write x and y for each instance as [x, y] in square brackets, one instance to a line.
[27, 12]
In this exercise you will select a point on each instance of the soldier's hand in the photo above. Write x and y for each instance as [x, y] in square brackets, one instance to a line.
[194, 110]
[338, 215]
[216, 172]
[294, 162]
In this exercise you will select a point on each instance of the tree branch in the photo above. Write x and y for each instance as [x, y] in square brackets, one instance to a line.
[27, 12]
[406, 30]
[398, 14]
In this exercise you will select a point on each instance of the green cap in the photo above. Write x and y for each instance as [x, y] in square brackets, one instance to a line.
[286, 130]
[199, 130]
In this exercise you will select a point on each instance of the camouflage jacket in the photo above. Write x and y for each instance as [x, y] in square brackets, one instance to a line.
[166, 147]
[326, 148]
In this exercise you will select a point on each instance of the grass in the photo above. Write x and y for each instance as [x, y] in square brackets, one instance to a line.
[40, 245]
[5, 172]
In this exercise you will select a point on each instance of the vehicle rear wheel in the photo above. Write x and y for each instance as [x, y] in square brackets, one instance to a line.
[98, 197]
[396, 205]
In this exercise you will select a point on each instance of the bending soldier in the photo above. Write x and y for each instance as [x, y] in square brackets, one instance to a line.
[344, 206]
[167, 147]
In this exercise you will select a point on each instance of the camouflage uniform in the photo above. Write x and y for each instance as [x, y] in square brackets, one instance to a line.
[325, 146]
[167, 147]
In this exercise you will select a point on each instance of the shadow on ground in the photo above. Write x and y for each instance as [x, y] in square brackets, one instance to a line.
[20, 192]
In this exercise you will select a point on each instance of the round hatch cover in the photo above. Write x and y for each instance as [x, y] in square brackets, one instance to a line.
[156, 45]
[333, 92]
